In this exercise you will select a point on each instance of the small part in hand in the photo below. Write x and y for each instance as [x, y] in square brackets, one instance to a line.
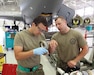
[44, 44]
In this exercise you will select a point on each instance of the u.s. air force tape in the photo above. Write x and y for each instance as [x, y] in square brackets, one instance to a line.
[43, 44]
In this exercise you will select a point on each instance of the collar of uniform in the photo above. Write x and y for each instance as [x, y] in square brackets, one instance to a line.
[65, 33]
[29, 32]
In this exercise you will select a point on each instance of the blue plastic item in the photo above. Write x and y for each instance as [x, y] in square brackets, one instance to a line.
[89, 27]
[40, 51]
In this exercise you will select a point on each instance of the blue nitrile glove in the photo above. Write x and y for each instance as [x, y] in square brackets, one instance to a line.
[40, 51]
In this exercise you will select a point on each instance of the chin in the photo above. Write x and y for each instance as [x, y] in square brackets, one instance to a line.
[60, 30]
[37, 34]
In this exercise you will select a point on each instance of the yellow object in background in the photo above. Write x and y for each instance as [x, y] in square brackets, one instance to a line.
[2, 57]
[1, 50]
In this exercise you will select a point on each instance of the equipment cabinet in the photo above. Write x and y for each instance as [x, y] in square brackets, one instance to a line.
[9, 39]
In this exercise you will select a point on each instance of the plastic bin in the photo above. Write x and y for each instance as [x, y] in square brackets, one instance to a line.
[9, 69]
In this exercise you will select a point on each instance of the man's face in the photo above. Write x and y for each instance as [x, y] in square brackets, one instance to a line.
[60, 24]
[40, 28]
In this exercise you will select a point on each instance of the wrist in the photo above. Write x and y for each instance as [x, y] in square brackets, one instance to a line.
[32, 52]
[75, 60]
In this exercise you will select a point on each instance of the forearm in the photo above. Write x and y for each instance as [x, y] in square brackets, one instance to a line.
[24, 55]
[81, 55]
[21, 55]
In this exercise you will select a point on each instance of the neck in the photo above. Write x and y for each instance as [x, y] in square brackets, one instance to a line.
[66, 30]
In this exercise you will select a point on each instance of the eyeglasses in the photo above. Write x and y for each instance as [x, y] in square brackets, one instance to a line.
[41, 29]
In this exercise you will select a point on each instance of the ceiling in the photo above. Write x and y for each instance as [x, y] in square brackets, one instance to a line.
[11, 7]
[78, 4]
[84, 8]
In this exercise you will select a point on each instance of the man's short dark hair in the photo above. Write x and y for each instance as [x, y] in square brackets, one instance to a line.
[40, 19]
[61, 17]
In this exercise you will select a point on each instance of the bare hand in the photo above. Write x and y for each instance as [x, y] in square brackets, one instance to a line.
[72, 63]
[53, 44]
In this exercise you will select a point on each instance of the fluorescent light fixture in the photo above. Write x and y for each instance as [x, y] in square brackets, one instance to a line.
[31, 8]
[85, 11]
[12, 9]
[10, 1]
[44, 6]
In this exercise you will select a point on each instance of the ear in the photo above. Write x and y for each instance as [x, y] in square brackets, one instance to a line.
[33, 24]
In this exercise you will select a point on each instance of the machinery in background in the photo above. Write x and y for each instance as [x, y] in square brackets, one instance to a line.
[32, 8]
[51, 57]
[87, 21]
[48, 35]
[78, 21]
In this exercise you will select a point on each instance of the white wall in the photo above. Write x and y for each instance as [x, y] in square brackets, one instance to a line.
[90, 54]
[6, 22]
[2, 36]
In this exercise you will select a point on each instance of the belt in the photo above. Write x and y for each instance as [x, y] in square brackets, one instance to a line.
[33, 69]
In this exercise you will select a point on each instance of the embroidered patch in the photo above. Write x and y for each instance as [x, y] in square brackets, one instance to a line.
[72, 40]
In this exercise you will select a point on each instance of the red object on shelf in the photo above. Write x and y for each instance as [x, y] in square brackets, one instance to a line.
[9, 69]
[85, 34]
